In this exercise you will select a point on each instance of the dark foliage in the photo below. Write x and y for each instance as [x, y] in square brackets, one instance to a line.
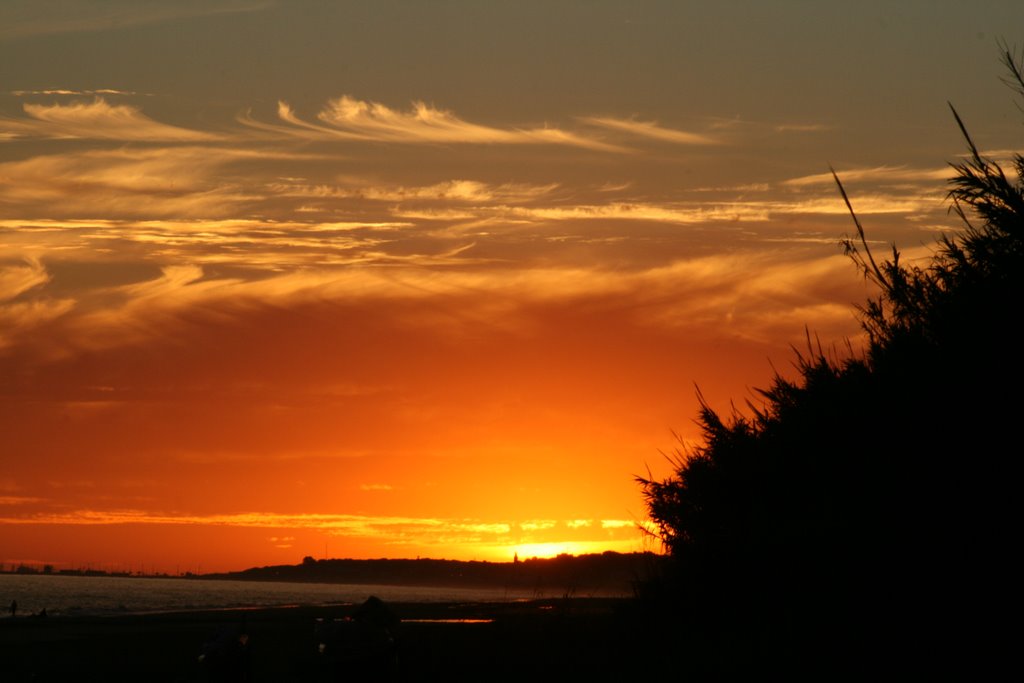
[862, 519]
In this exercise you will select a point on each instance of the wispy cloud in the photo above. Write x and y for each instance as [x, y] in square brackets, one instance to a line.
[761, 296]
[18, 318]
[287, 114]
[647, 211]
[801, 127]
[617, 524]
[78, 93]
[180, 182]
[352, 119]
[474, 215]
[737, 123]
[421, 531]
[743, 294]
[296, 128]
[879, 174]
[15, 279]
[694, 213]
[650, 129]
[457, 191]
[96, 120]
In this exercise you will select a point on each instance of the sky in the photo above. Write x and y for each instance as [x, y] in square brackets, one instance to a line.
[434, 279]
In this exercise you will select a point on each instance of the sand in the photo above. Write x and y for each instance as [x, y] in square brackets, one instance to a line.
[540, 640]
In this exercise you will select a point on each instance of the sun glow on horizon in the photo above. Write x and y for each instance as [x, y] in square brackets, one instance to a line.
[527, 551]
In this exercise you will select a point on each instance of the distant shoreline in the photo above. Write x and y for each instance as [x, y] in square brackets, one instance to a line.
[607, 573]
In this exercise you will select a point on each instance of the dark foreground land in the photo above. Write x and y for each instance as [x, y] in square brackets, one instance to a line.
[535, 640]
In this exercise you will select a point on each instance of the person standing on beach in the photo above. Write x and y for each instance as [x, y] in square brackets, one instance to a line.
[14, 608]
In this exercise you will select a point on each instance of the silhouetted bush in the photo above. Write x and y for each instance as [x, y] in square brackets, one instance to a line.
[861, 521]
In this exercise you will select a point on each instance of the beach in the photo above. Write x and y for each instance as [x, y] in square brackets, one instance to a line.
[542, 639]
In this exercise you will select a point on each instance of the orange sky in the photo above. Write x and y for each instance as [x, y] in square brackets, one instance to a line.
[397, 280]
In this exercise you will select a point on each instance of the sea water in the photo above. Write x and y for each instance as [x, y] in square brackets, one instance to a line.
[97, 595]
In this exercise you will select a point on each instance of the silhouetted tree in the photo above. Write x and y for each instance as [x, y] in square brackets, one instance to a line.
[864, 516]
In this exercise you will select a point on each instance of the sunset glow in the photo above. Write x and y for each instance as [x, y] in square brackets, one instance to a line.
[438, 280]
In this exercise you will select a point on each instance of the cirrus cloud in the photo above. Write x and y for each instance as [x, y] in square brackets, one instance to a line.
[349, 118]
[650, 129]
[96, 120]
